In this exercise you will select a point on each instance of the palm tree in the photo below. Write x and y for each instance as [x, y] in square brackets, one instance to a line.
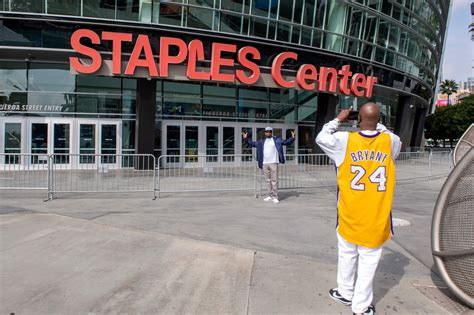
[448, 87]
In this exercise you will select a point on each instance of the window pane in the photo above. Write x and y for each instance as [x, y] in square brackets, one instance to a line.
[230, 23]
[246, 148]
[51, 102]
[128, 134]
[63, 7]
[228, 141]
[12, 76]
[12, 138]
[39, 140]
[199, 18]
[129, 96]
[129, 9]
[98, 84]
[99, 8]
[232, 5]
[61, 134]
[168, 12]
[51, 77]
[306, 136]
[191, 142]
[108, 143]
[212, 142]
[35, 6]
[181, 99]
[290, 149]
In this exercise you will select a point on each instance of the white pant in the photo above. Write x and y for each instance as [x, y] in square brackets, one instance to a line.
[362, 293]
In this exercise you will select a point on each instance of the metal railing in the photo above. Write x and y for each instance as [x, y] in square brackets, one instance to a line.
[414, 165]
[24, 171]
[186, 173]
[101, 173]
[123, 173]
[305, 171]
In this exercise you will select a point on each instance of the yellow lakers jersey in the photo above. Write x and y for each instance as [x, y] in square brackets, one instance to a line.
[366, 182]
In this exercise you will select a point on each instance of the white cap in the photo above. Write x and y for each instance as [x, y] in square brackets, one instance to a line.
[269, 129]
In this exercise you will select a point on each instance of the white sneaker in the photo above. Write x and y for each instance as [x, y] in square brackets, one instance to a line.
[268, 198]
[275, 200]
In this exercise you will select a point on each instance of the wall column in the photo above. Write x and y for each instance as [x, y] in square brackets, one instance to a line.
[418, 127]
[326, 112]
[145, 123]
[405, 120]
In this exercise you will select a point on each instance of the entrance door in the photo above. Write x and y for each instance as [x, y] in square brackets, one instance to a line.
[50, 136]
[108, 143]
[212, 143]
[220, 142]
[182, 143]
[99, 142]
[39, 142]
[87, 143]
[191, 143]
[61, 143]
[172, 140]
[228, 143]
[12, 144]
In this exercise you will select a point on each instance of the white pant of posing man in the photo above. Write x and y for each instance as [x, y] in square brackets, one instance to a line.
[271, 175]
[363, 259]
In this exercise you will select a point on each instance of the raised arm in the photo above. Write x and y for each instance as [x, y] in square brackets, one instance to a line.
[396, 142]
[248, 141]
[289, 140]
[334, 143]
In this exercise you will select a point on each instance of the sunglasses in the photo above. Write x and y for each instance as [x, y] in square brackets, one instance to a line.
[268, 131]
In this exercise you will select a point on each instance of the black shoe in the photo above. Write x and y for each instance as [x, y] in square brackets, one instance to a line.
[334, 294]
[369, 310]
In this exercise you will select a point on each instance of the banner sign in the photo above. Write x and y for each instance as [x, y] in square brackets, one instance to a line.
[223, 57]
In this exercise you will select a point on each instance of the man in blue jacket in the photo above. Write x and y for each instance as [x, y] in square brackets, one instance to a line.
[269, 155]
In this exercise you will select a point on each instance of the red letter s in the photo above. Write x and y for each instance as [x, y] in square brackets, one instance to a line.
[84, 50]
[252, 66]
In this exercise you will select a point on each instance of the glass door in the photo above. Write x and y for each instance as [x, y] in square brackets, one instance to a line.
[228, 143]
[61, 142]
[39, 142]
[87, 143]
[191, 143]
[182, 141]
[246, 150]
[108, 143]
[172, 139]
[12, 142]
[212, 143]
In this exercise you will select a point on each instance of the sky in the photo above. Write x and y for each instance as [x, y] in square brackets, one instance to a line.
[459, 49]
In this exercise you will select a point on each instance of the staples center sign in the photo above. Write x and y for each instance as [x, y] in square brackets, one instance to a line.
[308, 77]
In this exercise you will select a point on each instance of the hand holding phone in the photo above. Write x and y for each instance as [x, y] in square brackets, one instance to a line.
[353, 115]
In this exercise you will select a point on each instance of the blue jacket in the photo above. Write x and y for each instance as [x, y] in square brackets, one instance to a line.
[279, 143]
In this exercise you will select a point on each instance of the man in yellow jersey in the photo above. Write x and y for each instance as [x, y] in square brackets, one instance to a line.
[366, 181]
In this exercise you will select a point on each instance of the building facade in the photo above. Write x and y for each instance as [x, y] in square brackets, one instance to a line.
[189, 76]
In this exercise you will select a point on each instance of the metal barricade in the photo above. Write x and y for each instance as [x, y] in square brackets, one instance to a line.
[24, 171]
[101, 173]
[305, 171]
[121, 173]
[441, 162]
[412, 165]
[204, 173]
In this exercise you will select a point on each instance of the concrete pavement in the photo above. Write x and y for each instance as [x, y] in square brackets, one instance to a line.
[204, 254]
